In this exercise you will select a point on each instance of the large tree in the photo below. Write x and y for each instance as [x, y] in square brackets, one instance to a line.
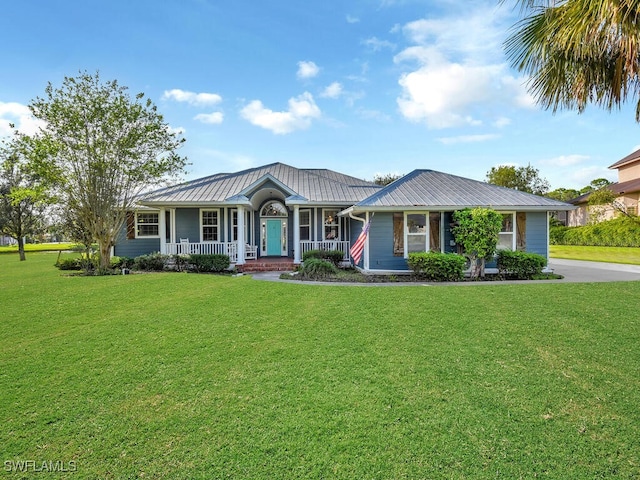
[103, 148]
[578, 52]
[526, 179]
[23, 195]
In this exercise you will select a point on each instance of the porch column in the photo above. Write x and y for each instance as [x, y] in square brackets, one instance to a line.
[296, 234]
[240, 239]
[162, 226]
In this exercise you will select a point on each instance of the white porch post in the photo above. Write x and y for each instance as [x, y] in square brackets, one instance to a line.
[365, 253]
[240, 239]
[172, 219]
[162, 226]
[296, 234]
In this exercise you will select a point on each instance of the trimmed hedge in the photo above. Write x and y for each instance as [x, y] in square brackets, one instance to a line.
[439, 267]
[520, 265]
[619, 232]
[333, 256]
[209, 263]
[154, 262]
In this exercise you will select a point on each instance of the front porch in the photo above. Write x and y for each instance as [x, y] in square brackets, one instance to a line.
[239, 254]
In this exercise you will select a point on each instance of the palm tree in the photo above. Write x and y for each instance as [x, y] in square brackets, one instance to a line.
[578, 52]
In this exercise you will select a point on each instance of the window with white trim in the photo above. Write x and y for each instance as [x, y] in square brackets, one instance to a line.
[234, 225]
[305, 224]
[209, 225]
[331, 224]
[147, 224]
[506, 237]
[416, 232]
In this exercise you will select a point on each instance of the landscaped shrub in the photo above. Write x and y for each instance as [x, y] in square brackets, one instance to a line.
[333, 256]
[439, 267]
[153, 262]
[209, 263]
[69, 264]
[316, 268]
[121, 262]
[520, 265]
[619, 232]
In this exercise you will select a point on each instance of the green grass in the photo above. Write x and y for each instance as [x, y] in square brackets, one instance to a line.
[203, 376]
[37, 247]
[626, 255]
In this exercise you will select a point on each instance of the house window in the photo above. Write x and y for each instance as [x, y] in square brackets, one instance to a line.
[147, 224]
[305, 224]
[274, 209]
[506, 237]
[398, 234]
[331, 225]
[209, 225]
[416, 232]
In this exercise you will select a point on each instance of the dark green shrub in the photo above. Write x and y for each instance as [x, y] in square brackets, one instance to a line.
[439, 267]
[69, 264]
[619, 232]
[209, 263]
[153, 262]
[333, 256]
[520, 265]
[121, 262]
[316, 268]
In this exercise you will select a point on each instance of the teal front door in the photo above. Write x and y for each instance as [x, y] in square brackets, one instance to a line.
[274, 237]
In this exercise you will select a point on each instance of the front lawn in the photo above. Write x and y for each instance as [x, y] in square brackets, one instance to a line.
[628, 255]
[38, 247]
[176, 375]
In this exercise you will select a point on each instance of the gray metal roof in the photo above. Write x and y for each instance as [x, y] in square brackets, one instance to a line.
[311, 185]
[429, 188]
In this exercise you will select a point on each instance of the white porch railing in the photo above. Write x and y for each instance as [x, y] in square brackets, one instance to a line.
[211, 248]
[306, 245]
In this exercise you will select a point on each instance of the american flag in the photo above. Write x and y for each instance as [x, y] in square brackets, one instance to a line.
[358, 247]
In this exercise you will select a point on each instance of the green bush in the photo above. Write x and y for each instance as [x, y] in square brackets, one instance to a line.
[209, 263]
[439, 267]
[333, 256]
[520, 265]
[121, 262]
[69, 264]
[316, 268]
[153, 262]
[619, 232]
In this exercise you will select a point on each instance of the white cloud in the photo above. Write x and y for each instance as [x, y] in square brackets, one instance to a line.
[332, 91]
[302, 110]
[177, 130]
[192, 98]
[20, 116]
[468, 139]
[214, 118]
[376, 44]
[307, 70]
[352, 19]
[565, 160]
[502, 122]
[459, 71]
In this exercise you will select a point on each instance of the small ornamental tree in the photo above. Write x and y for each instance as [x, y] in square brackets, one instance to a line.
[102, 147]
[477, 231]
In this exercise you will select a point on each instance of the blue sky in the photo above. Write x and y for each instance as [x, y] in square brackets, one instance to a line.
[363, 87]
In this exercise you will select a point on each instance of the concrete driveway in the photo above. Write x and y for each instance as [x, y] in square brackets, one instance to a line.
[581, 271]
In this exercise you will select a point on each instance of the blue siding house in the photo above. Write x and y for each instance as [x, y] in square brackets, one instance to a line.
[280, 211]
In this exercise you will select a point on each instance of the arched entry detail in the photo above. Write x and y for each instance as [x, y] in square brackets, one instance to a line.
[274, 218]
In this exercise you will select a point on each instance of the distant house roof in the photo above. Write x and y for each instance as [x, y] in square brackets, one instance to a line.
[303, 185]
[424, 189]
[631, 158]
[619, 188]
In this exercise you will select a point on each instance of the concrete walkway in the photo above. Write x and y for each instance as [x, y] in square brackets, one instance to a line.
[572, 270]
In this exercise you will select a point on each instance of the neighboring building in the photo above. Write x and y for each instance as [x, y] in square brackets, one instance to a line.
[627, 190]
[280, 211]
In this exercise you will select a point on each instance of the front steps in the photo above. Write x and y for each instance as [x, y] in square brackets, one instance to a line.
[267, 265]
